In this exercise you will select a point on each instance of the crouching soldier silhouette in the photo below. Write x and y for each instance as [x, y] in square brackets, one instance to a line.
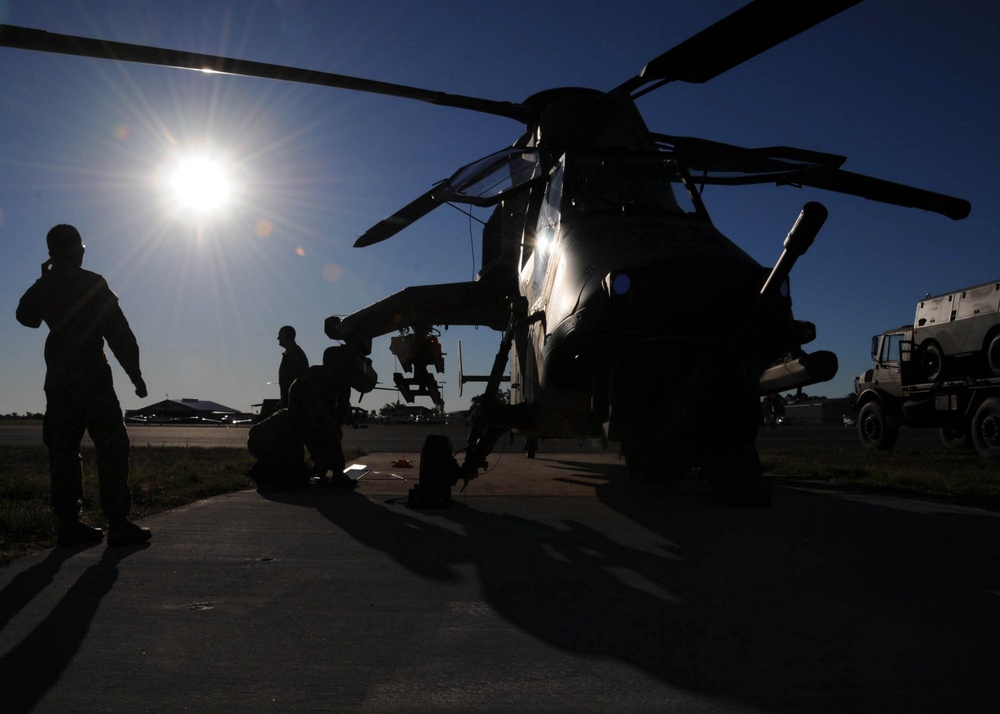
[319, 403]
[280, 457]
[82, 312]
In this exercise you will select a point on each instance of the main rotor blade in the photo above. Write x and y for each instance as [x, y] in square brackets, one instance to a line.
[781, 173]
[410, 213]
[30, 39]
[897, 194]
[789, 166]
[707, 155]
[736, 38]
[484, 182]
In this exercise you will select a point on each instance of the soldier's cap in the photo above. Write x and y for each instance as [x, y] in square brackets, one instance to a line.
[63, 239]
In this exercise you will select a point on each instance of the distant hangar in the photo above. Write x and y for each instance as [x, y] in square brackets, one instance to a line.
[187, 411]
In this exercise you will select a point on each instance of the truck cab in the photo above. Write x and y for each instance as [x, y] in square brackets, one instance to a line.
[891, 352]
[879, 392]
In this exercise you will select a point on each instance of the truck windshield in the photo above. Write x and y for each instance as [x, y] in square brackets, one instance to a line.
[892, 348]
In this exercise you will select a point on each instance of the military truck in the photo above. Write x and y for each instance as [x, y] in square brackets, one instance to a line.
[941, 372]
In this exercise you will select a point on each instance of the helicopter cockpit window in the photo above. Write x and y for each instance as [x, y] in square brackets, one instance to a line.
[548, 216]
[546, 227]
[634, 183]
[483, 182]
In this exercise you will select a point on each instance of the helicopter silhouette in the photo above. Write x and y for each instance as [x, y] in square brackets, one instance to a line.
[597, 232]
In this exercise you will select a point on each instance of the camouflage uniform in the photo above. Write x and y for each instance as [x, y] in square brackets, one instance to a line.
[293, 363]
[318, 404]
[82, 312]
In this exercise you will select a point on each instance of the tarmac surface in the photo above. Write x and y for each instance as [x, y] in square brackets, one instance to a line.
[408, 439]
[550, 585]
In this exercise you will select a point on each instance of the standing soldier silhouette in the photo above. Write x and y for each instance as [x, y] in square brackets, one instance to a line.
[293, 363]
[81, 313]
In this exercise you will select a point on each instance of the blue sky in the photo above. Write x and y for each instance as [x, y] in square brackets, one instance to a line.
[906, 90]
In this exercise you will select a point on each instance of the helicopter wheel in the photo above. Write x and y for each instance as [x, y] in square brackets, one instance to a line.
[639, 466]
[650, 460]
[635, 451]
[531, 447]
[736, 477]
[732, 462]
[438, 470]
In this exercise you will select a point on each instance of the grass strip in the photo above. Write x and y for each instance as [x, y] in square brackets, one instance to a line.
[161, 477]
[166, 477]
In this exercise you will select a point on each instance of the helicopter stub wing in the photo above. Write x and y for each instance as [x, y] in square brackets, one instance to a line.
[480, 302]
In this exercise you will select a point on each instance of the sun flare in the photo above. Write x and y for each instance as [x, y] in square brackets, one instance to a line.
[201, 184]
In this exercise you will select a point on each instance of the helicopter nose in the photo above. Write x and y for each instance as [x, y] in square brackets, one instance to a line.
[698, 296]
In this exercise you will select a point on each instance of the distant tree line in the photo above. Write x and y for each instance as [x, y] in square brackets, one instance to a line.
[799, 397]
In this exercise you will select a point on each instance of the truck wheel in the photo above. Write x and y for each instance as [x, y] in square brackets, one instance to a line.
[993, 355]
[931, 361]
[874, 432]
[986, 429]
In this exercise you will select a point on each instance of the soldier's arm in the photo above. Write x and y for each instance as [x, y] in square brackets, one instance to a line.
[29, 312]
[344, 403]
[122, 342]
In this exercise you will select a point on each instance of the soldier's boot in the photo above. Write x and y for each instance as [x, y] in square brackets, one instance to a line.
[340, 479]
[75, 532]
[127, 533]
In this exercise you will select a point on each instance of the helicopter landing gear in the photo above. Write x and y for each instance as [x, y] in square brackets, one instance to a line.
[732, 463]
[531, 446]
[652, 453]
[649, 460]
[736, 478]
[666, 449]
[438, 471]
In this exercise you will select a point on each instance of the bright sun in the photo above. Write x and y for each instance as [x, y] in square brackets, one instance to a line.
[201, 184]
